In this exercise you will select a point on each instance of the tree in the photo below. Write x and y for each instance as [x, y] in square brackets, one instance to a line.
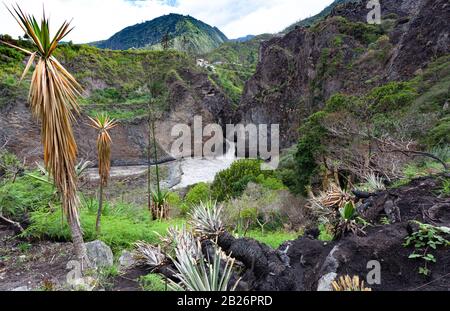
[165, 41]
[53, 99]
[103, 123]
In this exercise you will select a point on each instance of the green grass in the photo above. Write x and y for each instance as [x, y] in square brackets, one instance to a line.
[118, 231]
[273, 239]
[153, 283]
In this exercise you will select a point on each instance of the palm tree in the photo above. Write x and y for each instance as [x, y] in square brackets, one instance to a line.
[53, 98]
[103, 123]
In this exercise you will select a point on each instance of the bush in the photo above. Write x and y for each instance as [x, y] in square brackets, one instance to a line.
[232, 182]
[273, 239]
[392, 97]
[23, 196]
[198, 193]
[439, 135]
[266, 210]
[309, 148]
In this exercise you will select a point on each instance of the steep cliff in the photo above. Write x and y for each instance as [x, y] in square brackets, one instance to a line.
[298, 72]
[119, 82]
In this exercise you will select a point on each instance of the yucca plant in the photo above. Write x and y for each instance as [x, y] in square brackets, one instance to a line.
[103, 124]
[149, 255]
[160, 208]
[203, 274]
[53, 99]
[373, 183]
[326, 204]
[181, 239]
[349, 284]
[206, 219]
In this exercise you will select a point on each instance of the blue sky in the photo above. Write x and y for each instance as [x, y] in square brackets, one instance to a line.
[100, 19]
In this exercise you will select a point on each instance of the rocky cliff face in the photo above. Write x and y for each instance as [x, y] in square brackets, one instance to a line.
[188, 93]
[298, 72]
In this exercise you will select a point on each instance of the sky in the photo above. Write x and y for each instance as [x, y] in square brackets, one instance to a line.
[96, 20]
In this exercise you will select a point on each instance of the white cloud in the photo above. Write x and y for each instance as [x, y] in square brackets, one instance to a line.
[100, 19]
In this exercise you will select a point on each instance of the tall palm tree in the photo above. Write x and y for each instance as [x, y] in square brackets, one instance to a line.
[103, 123]
[53, 99]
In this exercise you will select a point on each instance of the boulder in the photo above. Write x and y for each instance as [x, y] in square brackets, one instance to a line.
[99, 254]
[126, 260]
[325, 283]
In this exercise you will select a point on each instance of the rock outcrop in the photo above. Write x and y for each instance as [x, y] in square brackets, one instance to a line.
[309, 265]
[299, 71]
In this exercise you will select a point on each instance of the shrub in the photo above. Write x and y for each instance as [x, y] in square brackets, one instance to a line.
[439, 134]
[198, 193]
[23, 196]
[362, 32]
[273, 239]
[309, 148]
[266, 210]
[392, 96]
[424, 240]
[232, 182]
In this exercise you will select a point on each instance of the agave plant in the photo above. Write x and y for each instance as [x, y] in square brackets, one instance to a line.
[347, 222]
[53, 99]
[372, 183]
[203, 274]
[205, 219]
[181, 239]
[325, 205]
[82, 167]
[349, 284]
[103, 124]
[149, 255]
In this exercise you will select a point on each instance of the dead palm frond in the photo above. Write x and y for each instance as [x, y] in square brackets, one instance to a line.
[53, 99]
[349, 284]
[325, 205]
[103, 123]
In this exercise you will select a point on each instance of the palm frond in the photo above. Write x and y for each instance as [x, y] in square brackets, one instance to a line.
[103, 123]
[53, 98]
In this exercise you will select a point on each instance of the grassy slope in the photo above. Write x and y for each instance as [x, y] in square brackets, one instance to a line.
[118, 81]
[238, 63]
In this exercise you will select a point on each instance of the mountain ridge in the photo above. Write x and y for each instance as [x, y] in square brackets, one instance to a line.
[183, 33]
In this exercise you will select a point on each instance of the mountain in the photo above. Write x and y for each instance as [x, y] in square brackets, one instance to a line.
[299, 72]
[235, 63]
[314, 19]
[185, 33]
[243, 39]
[120, 83]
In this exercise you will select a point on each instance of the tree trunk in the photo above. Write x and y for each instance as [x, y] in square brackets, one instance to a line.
[100, 208]
[78, 243]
